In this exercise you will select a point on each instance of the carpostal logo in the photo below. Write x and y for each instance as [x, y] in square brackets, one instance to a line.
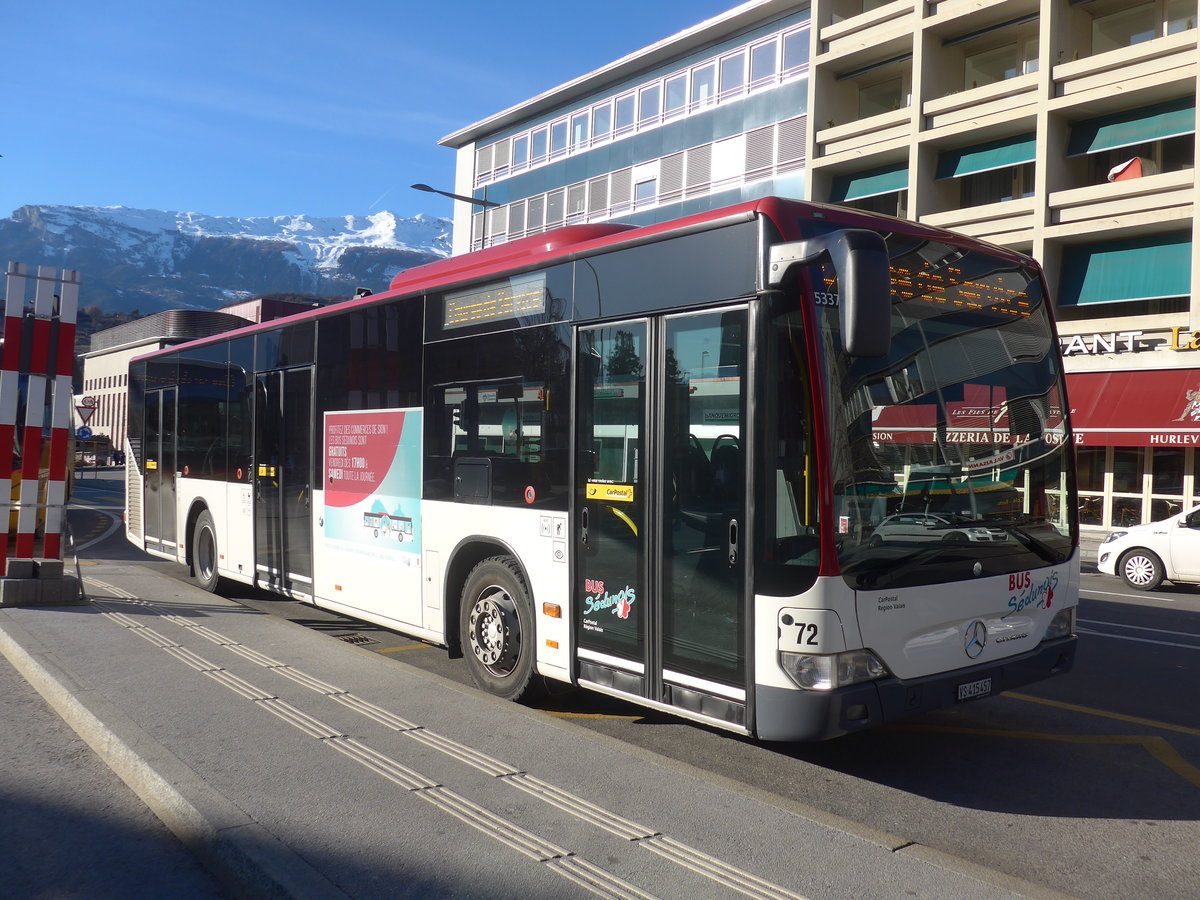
[1026, 593]
[597, 599]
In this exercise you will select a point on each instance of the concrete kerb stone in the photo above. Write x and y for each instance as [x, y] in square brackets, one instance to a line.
[38, 582]
[239, 851]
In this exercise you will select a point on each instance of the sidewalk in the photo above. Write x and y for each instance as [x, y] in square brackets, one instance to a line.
[296, 765]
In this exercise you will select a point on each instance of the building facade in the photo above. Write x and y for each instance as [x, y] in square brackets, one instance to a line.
[1061, 128]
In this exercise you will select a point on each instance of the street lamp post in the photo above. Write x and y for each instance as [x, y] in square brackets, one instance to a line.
[486, 204]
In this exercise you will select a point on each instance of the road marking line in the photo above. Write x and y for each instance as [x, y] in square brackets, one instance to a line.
[1158, 747]
[1140, 640]
[1138, 627]
[1104, 714]
[1145, 596]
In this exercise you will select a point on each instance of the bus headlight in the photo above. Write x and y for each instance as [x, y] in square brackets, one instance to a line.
[815, 672]
[1062, 625]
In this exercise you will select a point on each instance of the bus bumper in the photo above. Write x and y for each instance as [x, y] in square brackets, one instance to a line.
[795, 715]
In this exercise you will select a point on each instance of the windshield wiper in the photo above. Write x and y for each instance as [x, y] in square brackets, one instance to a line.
[880, 578]
[1032, 542]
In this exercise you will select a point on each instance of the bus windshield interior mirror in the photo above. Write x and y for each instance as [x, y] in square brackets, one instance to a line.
[860, 259]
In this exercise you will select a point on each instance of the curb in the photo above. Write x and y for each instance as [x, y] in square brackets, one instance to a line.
[245, 857]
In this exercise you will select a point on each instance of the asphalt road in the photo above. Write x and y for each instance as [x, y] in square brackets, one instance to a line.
[1088, 784]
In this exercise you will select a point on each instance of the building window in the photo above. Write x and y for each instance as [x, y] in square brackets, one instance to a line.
[999, 64]
[649, 104]
[541, 143]
[996, 186]
[626, 113]
[795, 51]
[733, 74]
[704, 81]
[763, 63]
[645, 193]
[558, 138]
[520, 155]
[1115, 25]
[881, 97]
[676, 95]
[1170, 155]
[579, 130]
[893, 204]
[602, 120]
[1124, 28]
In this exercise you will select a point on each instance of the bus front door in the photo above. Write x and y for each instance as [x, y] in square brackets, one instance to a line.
[283, 441]
[158, 470]
[660, 503]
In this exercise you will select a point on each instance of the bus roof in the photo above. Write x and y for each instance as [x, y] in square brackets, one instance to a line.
[577, 241]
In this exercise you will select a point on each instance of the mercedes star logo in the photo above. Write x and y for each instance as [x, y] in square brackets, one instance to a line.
[976, 638]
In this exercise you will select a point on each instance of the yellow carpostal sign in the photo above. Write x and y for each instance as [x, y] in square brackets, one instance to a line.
[614, 493]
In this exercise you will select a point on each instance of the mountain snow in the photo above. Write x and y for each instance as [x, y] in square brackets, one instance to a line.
[318, 241]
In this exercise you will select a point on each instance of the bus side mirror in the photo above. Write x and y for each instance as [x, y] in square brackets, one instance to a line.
[861, 261]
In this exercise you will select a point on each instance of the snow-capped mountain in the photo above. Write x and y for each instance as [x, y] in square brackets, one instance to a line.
[153, 260]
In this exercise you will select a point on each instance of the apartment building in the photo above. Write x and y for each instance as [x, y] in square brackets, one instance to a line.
[1062, 128]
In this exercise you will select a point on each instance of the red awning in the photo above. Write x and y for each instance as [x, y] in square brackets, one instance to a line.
[1135, 409]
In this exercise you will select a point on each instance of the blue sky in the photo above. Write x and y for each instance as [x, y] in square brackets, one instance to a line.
[280, 107]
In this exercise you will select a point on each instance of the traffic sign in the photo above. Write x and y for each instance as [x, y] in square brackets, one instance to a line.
[86, 407]
[84, 433]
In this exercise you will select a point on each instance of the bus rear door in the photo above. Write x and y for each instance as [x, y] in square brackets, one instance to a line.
[283, 443]
[158, 469]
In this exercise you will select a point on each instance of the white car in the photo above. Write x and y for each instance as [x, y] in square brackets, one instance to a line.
[1144, 555]
[945, 527]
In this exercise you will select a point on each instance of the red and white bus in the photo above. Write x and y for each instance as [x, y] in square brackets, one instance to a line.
[787, 469]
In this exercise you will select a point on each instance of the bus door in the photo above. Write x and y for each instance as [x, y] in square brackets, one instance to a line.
[660, 502]
[283, 441]
[158, 469]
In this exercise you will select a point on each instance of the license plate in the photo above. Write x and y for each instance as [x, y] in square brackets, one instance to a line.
[972, 689]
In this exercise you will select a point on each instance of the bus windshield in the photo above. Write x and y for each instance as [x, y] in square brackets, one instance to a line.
[949, 456]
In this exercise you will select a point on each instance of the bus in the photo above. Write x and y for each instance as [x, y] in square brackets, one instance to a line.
[654, 462]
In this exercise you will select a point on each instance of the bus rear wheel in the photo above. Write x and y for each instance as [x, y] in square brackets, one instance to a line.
[204, 552]
[496, 624]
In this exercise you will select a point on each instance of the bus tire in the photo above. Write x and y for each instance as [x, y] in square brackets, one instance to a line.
[496, 625]
[1141, 570]
[204, 552]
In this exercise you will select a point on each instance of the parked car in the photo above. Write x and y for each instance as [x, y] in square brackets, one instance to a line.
[1145, 555]
[904, 527]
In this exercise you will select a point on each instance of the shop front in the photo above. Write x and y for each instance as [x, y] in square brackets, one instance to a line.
[1137, 440]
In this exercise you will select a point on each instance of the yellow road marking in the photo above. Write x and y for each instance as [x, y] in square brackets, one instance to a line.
[405, 647]
[1156, 746]
[1087, 710]
[573, 715]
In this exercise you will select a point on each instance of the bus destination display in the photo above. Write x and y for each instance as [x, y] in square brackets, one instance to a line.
[522, 296]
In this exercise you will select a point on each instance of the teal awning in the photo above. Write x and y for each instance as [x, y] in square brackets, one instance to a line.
[1000, 154]
[1140, 269]
[1134, 126]
[886, 180]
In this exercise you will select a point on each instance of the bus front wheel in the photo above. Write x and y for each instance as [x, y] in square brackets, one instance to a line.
[496, 624]
[204, 552]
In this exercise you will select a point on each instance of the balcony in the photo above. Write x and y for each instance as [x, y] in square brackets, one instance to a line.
[1130, 68]
[869, 30]
[1008, 99]
[865, 136]
[1010, 222]
[1155, 200]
